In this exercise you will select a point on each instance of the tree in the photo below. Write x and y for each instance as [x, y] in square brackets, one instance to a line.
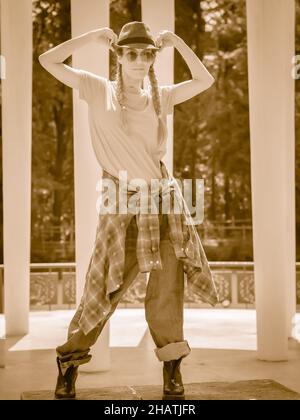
[52, 151]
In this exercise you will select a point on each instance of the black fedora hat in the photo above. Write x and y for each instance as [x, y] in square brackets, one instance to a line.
[136, 34]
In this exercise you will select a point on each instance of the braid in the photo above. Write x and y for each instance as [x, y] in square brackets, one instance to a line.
[162, 128]
[120, 94]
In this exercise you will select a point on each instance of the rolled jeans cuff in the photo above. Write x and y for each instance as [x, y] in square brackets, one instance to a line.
[173, 351]
[76, 359]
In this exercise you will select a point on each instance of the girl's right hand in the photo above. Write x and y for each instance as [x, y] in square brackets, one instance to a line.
[105, 36]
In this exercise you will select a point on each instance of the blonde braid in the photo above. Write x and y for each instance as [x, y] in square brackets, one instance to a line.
[120, 95]
[162, 127]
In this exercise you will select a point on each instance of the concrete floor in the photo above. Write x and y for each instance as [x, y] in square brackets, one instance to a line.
[223, 346]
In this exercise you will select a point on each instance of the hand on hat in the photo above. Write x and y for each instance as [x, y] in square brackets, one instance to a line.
[105, 36]
[166, 39]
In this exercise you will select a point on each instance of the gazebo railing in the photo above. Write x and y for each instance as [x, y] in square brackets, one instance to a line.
[53, 286]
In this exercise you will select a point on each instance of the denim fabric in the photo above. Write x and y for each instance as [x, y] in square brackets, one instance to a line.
[164, 303]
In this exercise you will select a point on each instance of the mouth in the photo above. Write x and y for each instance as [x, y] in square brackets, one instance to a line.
[138, 68]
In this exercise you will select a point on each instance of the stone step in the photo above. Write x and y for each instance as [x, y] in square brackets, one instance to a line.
[262, 389]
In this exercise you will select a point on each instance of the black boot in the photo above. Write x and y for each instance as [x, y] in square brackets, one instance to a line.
[173, 386]
[65, 386]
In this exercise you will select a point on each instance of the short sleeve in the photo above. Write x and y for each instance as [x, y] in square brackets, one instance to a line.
[91, 86]
[167, 92]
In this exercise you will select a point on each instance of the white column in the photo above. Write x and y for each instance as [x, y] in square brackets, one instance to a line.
[271, 43]
[16, 48]
[290, 187]
[88, 15]
[160, 15]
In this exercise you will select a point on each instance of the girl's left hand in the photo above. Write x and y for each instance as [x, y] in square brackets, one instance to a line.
[166, 39]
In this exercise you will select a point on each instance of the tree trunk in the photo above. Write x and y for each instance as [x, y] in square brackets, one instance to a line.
[60, 157]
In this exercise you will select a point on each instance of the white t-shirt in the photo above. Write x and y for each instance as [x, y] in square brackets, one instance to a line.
[138, 152]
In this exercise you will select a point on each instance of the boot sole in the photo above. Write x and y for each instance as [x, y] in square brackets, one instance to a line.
[173, 397]
[57, 397]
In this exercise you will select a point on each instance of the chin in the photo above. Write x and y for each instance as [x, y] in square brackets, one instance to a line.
[136, 74]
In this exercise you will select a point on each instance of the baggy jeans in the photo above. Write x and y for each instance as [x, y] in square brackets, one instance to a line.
[164, 304]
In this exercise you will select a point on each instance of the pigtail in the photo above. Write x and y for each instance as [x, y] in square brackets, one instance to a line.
[162, 127]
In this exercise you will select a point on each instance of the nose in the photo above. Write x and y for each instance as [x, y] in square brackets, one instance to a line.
[139, 59]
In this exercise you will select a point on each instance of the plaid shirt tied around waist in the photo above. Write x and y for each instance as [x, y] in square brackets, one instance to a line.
[106, 267]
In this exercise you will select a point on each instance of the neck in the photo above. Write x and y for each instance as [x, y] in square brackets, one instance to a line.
[130, 84]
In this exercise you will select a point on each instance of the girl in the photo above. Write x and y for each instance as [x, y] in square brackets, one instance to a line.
[129, 132]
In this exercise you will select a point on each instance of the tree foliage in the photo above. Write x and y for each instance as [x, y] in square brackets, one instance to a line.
[52, 150]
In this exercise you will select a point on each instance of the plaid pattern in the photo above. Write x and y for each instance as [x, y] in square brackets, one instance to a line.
[106, 267]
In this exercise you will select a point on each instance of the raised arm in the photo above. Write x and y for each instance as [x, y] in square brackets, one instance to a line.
[52, 60]
[201, 78]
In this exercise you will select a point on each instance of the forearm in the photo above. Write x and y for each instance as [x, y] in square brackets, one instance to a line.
[62, 51]
[197, 68]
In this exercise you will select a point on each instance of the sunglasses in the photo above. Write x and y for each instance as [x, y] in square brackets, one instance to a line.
[146, 55]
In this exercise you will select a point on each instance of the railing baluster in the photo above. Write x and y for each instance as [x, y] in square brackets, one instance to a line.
[235, 268]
